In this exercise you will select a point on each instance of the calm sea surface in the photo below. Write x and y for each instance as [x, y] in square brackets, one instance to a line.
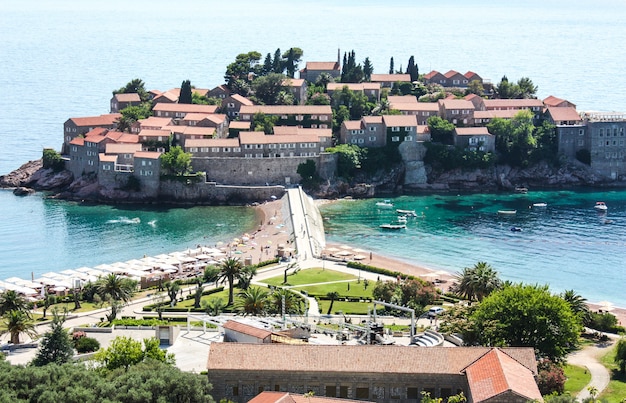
[62, 59]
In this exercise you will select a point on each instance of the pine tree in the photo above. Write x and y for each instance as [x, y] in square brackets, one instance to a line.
[185, 93]
[267, 64]
[412, 69]
[277, 66]
[368, 69]
[56, 346]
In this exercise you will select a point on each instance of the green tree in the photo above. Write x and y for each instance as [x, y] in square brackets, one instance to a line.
[135, 86]
[333, 295]
[391, 67]
[245, 278]
[185, 96]
[48, 301]
[351, 71]
[267, 64]
[56, 346]
[264, 123]
[214, 306]
[267, 89]
[116, 291]
[16, 323]
[230, 269]
[253, 301]
[349, 160]
[412, 69]
[132, 114]
[176, 161]
[477, 282]
[124, 352]
[475, 87]
[526, 88]
[620, 354]
[173, 288]
[515, 138]
[10, 300]
[368, 69]
[238, 73]
[211, 274]
[578, 304]
[293, 304]
[277, 65]
[51, 159]
[323, 79]
[440, 130]
[291, 58]
[527, 316]
[308, 173]
[198, 294]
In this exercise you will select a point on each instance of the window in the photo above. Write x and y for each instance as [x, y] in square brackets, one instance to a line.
[456, 82]
[235, 390]
[300, 118]
[372, 138]
[90, 162]
[408, 129]
[395, 129]
[271, 146]
[395, 138]
[236, 149]
[258, 155]
[143, 163]
[361, 141]
[343, 392]
[247, 146]
[581, 132]
[408, 138]
[331, 391]
[372, 128]
[323, 118]
[214, 150]
[354, 141]
[323, 126]
[247, 156]
[355, 131]
[231, 105]
[226, 149]
[581, 143]
[193, 150]
[292, 145]
[106, 167]
[314, 117]
[362, 393]
[601, 132]
[411, 393]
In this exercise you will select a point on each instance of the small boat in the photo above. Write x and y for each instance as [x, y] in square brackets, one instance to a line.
[384, 204]
[516, 229]
[393, 226]
[402, 219]
[407, 213]
[521, 190]
[540, 204]
[600, 206]
[507, 212]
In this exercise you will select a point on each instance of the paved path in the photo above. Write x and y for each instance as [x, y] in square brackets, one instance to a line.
[589, 357]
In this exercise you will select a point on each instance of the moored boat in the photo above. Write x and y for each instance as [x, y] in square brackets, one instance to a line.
[600, 206]
[407, 213]
[384, 204]
[393, 226]
[507, 212]
[520, 189]
[540, 204]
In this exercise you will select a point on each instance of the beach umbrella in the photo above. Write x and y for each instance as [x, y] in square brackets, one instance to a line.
[359, 250]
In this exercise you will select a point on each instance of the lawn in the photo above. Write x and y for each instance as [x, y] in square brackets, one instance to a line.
[577, 378]
[350, 289]
[349, 308]
[615, 392]
[310, 276]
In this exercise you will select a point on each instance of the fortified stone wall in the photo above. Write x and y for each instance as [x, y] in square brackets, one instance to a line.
[212, 193]
[255, 171]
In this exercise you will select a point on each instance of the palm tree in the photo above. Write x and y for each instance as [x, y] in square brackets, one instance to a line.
[578, 304]
[214, 306]
[12, 301]
[293, 304]
[333, 296]
[116, 291]
[16, 323]
[476, 282]
[230, 269]
[253, 301]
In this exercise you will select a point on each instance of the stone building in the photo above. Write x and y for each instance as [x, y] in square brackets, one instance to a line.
[605, 133]
[399, 374]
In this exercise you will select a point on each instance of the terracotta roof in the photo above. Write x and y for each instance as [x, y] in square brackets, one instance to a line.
[191, 130]
[322, 66]
[402, 99]
[102, 120]
[390, 78]
[286, 397]
[153, 155]
[188, 108]
[352, 86]
[400, 120]
[372, 120]
[169, 95]
[469, 97]
[496, 373]
[131, 97]
[247, 329]
[472, 131]
[95, 138]
[456, 104]
[238, 124]
[512, 103]
[262, 138]
[212, 143]
[154, 121]
[97, 131]
[294, 82]
[416, 107]
[114, 134]
[128, 138]
[78, 141]
[122, 148]
[285, 130]
[470, 75]
[431, 74]
[451, 73]
[352, 124]
[154, 133]
[107, 158]
[502, 113]
[241, 99]
[563, 113]
[552, 101]
[286, 109]
[347, 359]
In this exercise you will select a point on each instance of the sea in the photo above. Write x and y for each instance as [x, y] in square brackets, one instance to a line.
[63, 59]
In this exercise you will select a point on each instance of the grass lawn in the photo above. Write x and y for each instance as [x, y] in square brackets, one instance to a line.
[357, 308]
[188, 303]
[310, 276]
[356, 289]
[615, 392]
[577, 378]
[84, 307]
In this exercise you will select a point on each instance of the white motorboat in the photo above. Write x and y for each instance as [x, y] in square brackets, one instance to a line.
[384, 204]
[540, 204]
[600, 206]
[393, 226]
[407, 213]
[507, 212]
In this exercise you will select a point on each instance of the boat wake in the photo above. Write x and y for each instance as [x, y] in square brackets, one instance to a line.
[125, 220]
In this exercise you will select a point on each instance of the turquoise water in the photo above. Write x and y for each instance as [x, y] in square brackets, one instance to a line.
[39, 235]
[567, 244]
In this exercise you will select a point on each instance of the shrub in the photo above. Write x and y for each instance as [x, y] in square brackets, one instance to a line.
[550, 377]
[52, 159]
[86, 345]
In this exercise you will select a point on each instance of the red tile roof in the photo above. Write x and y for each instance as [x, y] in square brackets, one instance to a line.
[285, 130]
[241, 99]
[262, 138]
[78, 141]
[286, 397]
[472, 131]
[122, 148]
[451, 73]
[470, 75]
[154, 121]
[456, 104]
[352, 124]
[390, 78]
[497, 373]
[372, 120]
[552, 101]
[352, 86]
[562, 113]
[187, 108]
[416, 107]
[351, 359]
[153, 155]
[322, 66]
[238, 124]
[107, 158]
[154, 133]
[246, 329]
[402, 99]
[512, 103]
[286, 109]
[211, 143]
[102, 120]
[191, 130]
[431, 74]
[294, 82]
[131, 97]
[400, 120]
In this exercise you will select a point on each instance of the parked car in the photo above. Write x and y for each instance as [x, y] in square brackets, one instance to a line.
[434, 311]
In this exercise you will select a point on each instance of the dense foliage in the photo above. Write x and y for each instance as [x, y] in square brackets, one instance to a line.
[125, 352]
[550, 377]
[149, 381]
[477, 282]
[52, 160]
[135, 86]
[308, 174]
[56, 346]
[411, 293]
[446, 157]
[176, 161]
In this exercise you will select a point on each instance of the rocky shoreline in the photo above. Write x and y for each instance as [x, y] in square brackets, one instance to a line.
[32, 177]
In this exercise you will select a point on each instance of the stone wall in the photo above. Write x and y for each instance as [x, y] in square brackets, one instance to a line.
[212, 193]
[242, 386]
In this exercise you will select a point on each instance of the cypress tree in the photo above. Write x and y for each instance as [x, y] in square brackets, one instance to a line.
[391, 65]
[185, 93]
